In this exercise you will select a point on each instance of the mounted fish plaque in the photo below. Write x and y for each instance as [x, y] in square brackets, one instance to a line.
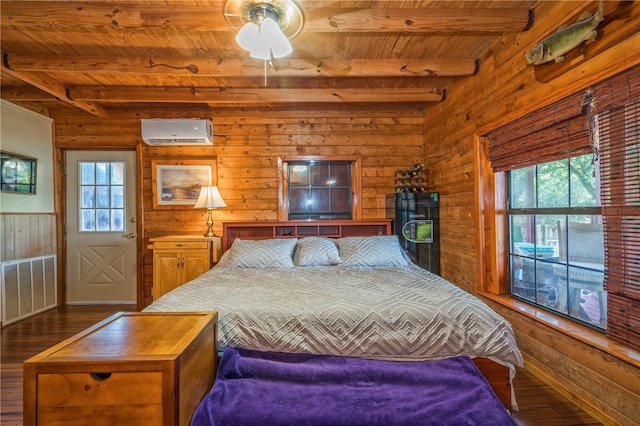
[567, 38]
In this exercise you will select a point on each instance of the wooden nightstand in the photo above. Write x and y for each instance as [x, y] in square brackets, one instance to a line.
[181, 258]
[132, 368]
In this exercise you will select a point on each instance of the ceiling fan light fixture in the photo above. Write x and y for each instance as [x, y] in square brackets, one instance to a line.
[265, 27]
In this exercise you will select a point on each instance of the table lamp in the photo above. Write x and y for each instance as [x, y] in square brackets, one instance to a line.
[209, 199]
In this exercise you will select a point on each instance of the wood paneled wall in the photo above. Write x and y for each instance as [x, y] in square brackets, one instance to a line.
[504, 89]
[25, 235]
[247, 144]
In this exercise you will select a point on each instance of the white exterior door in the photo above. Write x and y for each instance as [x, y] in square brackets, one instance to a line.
[101, 227]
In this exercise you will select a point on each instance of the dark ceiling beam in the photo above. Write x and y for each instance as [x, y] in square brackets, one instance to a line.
[27, 94]
[219, 67]
[53, 88]
[209, 95]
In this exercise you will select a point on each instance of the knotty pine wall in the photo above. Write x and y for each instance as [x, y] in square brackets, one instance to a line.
[246, 149]
[249, 142]
[25, 235]
[606, 382]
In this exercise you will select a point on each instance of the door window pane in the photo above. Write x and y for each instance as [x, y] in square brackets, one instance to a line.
[88, 220]
[87, 173]
[101, 197]
[117, 173]
[117, 196]
[102, 216]
[88, 196]
[102, 173]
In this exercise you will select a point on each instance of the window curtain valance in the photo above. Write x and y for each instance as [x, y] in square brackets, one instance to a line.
[556, 131]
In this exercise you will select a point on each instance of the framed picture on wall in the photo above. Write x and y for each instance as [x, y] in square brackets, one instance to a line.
[177, 183]
[18, 173]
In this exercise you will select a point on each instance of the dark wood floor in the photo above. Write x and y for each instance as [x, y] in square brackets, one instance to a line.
[539, 404]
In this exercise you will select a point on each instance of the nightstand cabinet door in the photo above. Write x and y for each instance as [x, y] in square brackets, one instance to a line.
[167, 272]
[194, 264]
[179, 259]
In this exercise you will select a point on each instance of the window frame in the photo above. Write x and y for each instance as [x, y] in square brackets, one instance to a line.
[539, 261]
[11, 186]
[283, 184]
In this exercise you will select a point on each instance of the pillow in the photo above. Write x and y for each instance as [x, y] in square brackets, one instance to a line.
[274, 253]
[381, 250]
[316, 251]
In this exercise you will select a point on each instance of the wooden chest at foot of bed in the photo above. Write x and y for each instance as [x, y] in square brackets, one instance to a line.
[132, 368]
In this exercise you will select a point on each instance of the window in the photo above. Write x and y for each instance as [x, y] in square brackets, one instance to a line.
[319, 188]
[18, 173]
[556, 238]
[604, 119]
[101, 196]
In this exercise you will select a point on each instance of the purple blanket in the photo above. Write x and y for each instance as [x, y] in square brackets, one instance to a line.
[268, 388]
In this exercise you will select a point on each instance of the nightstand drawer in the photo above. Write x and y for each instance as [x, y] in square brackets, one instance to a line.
[180, 245]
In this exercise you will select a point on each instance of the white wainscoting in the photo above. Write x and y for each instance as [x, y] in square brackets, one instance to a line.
[28, 287]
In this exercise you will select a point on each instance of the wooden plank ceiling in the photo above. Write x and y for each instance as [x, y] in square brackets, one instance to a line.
[104, 55]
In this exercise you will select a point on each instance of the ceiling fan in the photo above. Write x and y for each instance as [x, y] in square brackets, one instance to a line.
[252, 17]
[264, 26]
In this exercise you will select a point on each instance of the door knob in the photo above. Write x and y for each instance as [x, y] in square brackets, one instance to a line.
[131, 235]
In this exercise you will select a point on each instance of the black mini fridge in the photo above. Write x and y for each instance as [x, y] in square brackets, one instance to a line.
[417, 224]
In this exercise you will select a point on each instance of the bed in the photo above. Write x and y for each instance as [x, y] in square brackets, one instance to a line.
[343, 289]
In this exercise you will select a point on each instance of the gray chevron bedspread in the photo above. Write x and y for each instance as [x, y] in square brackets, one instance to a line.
[388, 312]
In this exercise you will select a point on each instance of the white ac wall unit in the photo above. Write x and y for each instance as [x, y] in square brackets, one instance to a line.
[180, 131]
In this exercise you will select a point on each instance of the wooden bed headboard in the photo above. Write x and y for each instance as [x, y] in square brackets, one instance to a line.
[302, 228]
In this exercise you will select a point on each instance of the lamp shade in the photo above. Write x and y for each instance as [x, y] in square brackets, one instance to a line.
[209, 198]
